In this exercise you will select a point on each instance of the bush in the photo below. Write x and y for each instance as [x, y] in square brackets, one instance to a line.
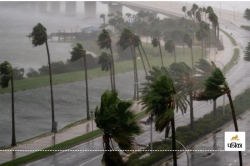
[18, 73]
[32, 73]
[245, 27]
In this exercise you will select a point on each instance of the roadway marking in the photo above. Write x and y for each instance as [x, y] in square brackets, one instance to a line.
[91, 160]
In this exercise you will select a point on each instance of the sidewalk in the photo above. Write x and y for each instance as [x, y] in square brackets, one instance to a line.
[48, 141]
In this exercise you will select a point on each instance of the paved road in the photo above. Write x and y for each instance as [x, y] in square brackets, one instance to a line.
[217, 143]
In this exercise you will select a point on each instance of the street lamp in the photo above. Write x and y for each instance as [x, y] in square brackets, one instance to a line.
[224, 94]
[234, 11]
[183, 148]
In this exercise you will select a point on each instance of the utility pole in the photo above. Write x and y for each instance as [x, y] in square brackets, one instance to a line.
[234, 11]
[220, 8]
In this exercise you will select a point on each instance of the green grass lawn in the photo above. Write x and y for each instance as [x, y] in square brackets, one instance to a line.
[120, 67]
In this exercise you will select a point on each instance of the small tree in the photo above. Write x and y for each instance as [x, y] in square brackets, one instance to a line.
[184, 9]
[115, 118]
[170, 47]
[188, 40]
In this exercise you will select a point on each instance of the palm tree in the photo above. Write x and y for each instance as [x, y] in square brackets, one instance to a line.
[122, 130]
[39, 37]
[156, 43]
[200, 35]
[216, 86]
[126, 40]
[137, 43]
[105, 60]
[184, 9]
[77, 53]
[170, 47]
[129, 17]
[188, 40]
[103, 17]
[160, 97]
[105, 41]
[6, 75]
[204, 70]
[185, 81]
[214, 19]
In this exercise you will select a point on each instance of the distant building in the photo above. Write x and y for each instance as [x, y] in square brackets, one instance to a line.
[91, 29]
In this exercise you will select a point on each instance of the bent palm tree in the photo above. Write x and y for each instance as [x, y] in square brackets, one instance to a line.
[39, 37]
[170, 47]
[6, 75]
[216, 86]
[156, 43]
[77, 53]
[161, 99]
[126, 40]
[105, 60]
[105, 41]
[188, 40]
[185, 81]
[122, 130]
[137, 42]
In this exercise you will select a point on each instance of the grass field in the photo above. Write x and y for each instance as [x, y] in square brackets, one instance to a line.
[120, 67]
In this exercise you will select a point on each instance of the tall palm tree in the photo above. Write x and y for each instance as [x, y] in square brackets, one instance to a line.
[137, 43]
[160, 97]
[77, 53]
[156, 43]
[105, 41]
[216, 86]
[122, 130]
[126, 40]
[39, 37]
[188, 40]
[105, 60]
[184, 9]
[214, 19]
[186, 82]
[103, 17]
[170, 47]
[200, 35]
[6, 75]
[129, 17]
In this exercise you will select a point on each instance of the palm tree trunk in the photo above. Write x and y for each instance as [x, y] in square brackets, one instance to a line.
[167, 129]
[142, 61]
[160, 51]
[174, 142]
[214, 104]
[192, 58]
[87, 88]
[111, 79]
[137, 85]
[51, 87]
[202, 48]
[132, 52]
[235, 121]
[191, 111]
[113, 65]
[174, 55]
[13, 143]
[145, 56]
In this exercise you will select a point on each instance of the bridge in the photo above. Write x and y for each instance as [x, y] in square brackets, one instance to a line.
[70, 7]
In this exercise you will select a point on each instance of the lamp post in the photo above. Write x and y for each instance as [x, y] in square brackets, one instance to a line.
[224, 94]
[183, 148]
[234, 11]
